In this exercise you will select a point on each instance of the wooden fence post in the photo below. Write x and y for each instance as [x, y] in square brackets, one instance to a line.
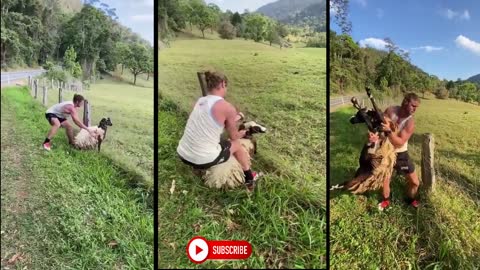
[52, 84]
[36, 88]
[60, 96]
[44, 95]
[86, 113]
[203, 82]
[428, 170]
[30, 81]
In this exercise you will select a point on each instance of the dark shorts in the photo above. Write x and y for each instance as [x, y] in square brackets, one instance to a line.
[49, 117]
[222, 157]
[404, 164]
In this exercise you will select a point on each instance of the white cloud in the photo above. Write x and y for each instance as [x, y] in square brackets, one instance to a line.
[363, 3]
[376, 43]
[333, 9]
[468, 44]
[380, 13]
[428, 48]
[142, 18]
[452, 14]
[465, 15]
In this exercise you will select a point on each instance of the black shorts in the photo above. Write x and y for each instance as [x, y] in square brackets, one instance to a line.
[404, 164]
[49, 117]
[222, 157]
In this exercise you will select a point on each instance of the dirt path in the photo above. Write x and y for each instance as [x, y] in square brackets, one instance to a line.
[16, 180]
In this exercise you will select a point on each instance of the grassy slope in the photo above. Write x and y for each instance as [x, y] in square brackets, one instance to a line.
[129, 141]
[284, 219]
[73, 204]
[445, 231]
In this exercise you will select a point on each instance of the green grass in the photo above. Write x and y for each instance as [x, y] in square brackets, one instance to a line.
[62, 209]
[444, 233]
[129, 141]
[284, 219]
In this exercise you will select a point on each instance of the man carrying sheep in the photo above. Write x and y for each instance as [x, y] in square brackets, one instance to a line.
[403, 115]
[201, 146]
[57, 117]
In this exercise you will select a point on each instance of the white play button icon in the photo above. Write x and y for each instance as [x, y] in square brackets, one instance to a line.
[197, 250]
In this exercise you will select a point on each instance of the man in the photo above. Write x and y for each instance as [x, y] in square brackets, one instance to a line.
[57, 116]
[201, 146]
[403, 116]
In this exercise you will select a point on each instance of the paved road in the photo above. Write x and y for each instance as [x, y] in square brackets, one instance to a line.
[10, 77]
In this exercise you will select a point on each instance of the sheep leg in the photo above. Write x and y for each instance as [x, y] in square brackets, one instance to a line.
[99, 142]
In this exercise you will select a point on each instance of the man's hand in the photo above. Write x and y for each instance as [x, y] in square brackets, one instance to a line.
[242, 133]
[372, 137]
[386, 128]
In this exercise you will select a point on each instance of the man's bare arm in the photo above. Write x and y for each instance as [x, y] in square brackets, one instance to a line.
[231, 123]
[76, 120]
[403, 136]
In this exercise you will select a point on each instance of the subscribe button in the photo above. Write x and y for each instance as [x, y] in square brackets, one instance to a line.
[199, 250]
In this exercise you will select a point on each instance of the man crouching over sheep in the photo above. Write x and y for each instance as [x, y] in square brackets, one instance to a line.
[57, 116]
[201, 146]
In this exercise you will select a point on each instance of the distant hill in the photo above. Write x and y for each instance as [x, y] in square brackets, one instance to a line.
[474, 79]
[310, 13]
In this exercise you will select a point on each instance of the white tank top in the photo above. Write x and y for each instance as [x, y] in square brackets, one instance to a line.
[401, 126]
[200, 141]
[58, 109]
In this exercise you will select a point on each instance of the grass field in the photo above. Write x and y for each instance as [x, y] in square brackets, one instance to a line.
[284, 219]
[129, 141]
[66, 209]
[444, 233]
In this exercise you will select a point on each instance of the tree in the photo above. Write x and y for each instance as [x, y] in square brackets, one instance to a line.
[236, 19]
[202, 16]
[256, 26]
[122, 51]
[70, 63]
[227, 30]
[272, 35]
[87, 32]
[139, 60]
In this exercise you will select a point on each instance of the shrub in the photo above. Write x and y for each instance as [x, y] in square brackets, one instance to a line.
[441, 93]
[227, 30]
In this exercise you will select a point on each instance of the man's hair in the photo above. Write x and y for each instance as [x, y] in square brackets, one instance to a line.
[78, 98]
[409, 97]
[214, 79]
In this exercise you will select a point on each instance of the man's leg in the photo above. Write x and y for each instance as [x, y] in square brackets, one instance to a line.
[386, 188]
[413, 183]
[55, 123]
[240, 154]
[69, 131]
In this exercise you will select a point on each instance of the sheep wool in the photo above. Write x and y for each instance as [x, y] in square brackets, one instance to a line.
[85, 141]
[229, 174]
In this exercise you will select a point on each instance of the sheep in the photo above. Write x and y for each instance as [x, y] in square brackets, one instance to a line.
[85, 141]
[376, 164]
[229, 174]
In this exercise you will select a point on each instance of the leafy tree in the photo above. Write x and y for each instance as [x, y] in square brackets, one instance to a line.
[139, 60]
[203, 16]
[236, 19]
[256, 26]
[70, 63]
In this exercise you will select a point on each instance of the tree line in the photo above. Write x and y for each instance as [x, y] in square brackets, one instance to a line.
[86, 43]
[388, 72]
[176, 15]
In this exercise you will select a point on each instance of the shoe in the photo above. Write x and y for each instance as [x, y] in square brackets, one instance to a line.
[383, 205]
[414, 203]
[251, 185]
[46, 146]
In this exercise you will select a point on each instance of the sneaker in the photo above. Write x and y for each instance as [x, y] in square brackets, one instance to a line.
[383, 205]
[46, 146]
[251, 186]
[415, 203]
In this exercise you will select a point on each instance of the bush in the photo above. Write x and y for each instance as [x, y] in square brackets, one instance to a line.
[48, 65]
[227, 30]
[441, 93]
[318, 42]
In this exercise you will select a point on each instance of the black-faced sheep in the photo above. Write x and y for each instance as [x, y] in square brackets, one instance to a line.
[84, 140]
[229, 174]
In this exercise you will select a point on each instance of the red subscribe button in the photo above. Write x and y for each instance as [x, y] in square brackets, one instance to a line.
[199, 250]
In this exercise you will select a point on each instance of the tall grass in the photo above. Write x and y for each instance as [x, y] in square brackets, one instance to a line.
[284, 218]
[444, 232]
[80, 211]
